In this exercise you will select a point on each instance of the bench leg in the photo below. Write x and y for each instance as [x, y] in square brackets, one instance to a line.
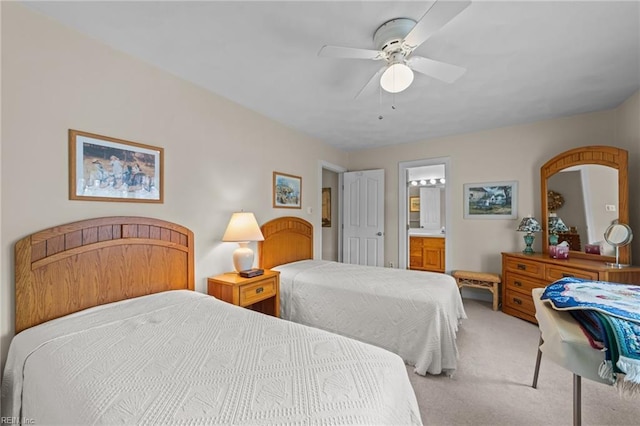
[496, 296]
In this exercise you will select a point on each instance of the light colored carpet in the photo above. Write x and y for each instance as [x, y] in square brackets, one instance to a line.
[492, 385]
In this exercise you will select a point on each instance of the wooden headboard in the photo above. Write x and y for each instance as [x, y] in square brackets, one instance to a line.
[79, 265]
[286, 239]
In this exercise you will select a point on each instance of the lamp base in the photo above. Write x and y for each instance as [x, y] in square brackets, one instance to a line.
[528, 240]
[243, 257]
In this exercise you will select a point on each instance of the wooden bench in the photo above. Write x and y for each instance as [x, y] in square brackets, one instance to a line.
[481, 280]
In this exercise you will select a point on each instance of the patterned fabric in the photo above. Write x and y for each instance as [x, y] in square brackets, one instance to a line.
[609, 314]
[620, 300]
[590, 327]
[182, 357]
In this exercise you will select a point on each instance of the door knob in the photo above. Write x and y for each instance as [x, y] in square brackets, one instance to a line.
[379, 234]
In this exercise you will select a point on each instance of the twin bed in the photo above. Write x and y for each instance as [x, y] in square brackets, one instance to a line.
[414, 314]
[109, 330]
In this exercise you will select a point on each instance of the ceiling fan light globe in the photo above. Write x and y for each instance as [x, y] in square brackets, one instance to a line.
[396, 78]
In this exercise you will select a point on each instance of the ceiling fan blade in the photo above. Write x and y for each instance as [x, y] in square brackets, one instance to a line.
[372, 83]
[436, 69]
[435, 18]
[350, 53]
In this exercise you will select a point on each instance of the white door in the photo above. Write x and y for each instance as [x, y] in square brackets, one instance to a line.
[430, 208]
[363, 204]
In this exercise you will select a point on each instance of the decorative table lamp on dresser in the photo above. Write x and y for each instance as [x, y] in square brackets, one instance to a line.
[529, 225]
[555, 225]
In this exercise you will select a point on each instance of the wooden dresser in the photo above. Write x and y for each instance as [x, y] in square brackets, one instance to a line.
[522, 273]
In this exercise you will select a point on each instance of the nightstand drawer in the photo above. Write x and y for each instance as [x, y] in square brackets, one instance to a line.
[250, 294]
[525, 267]
[556, 272]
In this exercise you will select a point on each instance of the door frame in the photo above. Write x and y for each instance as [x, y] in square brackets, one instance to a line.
[403, 202]
[317, 250]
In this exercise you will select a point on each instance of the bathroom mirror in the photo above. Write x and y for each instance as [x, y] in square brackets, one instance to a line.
[604, 165]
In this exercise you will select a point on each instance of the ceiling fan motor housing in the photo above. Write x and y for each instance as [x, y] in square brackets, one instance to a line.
[389, 36]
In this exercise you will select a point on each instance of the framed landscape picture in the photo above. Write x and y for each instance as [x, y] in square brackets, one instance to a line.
[287, 191]
[103, 168]
[491, 200]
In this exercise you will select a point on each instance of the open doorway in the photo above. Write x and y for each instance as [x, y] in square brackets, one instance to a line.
[330, 194]
[408, 220]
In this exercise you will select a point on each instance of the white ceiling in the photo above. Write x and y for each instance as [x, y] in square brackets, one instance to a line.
[526, 60]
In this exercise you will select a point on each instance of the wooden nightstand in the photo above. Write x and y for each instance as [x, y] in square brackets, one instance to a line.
[261, 293]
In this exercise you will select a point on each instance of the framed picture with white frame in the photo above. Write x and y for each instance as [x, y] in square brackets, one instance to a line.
[491, 200]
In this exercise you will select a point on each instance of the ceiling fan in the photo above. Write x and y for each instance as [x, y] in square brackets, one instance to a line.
[396, 40]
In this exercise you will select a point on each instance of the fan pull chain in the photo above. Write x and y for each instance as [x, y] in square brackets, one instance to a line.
[380, 116]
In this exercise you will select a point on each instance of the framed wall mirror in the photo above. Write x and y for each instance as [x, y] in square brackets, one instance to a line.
[592, 183]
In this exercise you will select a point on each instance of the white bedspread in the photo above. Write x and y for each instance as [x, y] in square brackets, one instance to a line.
[182, 357]
[414, 314]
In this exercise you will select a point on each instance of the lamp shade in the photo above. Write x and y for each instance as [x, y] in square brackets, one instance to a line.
[556, 224]
[242, 227]
[396, 78]
[529, 224]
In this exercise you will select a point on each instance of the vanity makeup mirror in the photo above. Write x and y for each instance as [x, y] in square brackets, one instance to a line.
[596, 165]
[618, 235]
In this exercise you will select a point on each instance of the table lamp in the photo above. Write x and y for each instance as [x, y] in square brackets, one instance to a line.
[242, 229]
[555, 225]
[529, 225]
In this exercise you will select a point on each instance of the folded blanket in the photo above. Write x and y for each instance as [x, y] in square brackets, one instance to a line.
[609, 314]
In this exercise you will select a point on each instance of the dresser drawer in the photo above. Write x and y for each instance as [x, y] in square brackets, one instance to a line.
[554, 273]
[519, 301]
[522, 284]
[250, 294]
[525, 267]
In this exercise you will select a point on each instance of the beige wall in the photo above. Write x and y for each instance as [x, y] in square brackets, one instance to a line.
[505, 154]
[219, 157]
[628, 137]
[600, 181]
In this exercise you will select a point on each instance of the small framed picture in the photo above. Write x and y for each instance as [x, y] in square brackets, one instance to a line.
[287, 191]
[326, 207]
[491, 200]
[103, 168]
[414, 204]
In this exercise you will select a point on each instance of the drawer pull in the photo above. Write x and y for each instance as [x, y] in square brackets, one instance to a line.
[522, 267]
[565, 275]
[259, 290]
[517, 283]
[517, 301]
